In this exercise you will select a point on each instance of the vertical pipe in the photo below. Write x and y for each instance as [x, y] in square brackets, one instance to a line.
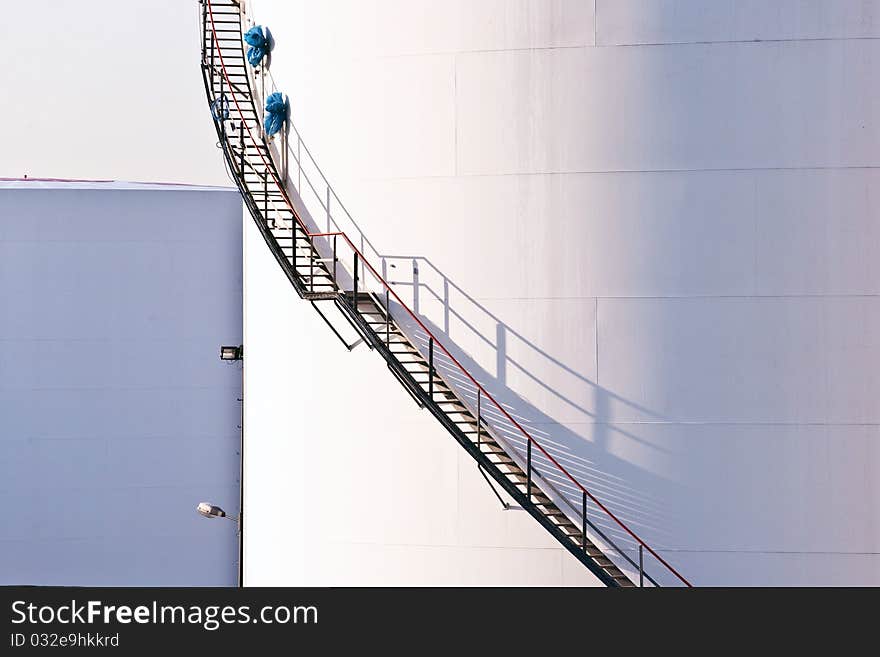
[204, 30]
[266, 197]
[355, 289]
[241, 488]
[584, 520]
[479, 425]
[328, 211]
[312, 270]
[641, 565]
[220, 104]
[284, 147]
[212, 49]
[529, 471]
[431, 368]
[241, 145]
[210, 72]
[446, 305]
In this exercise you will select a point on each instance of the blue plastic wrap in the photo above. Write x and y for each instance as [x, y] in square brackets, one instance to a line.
[258, 43]
[220, 108]
[276, 113]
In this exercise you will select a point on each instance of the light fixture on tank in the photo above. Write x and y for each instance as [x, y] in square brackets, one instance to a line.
[210, 510]
[228, 352]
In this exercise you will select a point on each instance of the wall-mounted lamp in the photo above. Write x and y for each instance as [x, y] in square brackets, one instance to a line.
[210, 510]
[231, 352]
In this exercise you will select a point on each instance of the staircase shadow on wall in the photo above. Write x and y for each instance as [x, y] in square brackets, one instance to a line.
[640, 497]
[585, 447]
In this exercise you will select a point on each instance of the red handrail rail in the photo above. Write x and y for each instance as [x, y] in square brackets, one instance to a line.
[387, 286]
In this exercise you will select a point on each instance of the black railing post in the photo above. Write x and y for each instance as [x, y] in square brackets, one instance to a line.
[529, 471]
[641, 565]
[584, 519]
[431, 368]
[387, 319]
[355, 289]
[334, 262]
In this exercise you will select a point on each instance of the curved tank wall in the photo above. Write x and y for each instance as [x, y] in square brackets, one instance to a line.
[650, 226]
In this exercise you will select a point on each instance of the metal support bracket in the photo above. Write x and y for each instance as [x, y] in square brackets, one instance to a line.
[335, 332]
[504, 504]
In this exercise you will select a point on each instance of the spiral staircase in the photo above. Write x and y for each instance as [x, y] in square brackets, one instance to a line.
[327, 268]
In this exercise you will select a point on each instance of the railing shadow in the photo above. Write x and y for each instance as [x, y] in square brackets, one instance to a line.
[582, 447]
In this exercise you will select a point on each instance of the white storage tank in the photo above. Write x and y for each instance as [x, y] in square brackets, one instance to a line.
[649, 227]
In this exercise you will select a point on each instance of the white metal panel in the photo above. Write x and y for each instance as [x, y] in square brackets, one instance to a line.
[673, 21]
[725, 106]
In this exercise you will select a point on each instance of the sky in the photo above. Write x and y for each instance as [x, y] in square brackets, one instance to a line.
[105, 89]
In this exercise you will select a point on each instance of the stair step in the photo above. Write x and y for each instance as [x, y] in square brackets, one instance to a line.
[403, 342]
[373, 319]
[449, 402]
[424, 369]
[437, 391]
[425, 376]
[319, 272]
[537, 497]
[524, 477]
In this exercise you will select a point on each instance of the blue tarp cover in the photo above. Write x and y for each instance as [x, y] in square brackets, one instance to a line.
[257, 39]
[276, 113]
